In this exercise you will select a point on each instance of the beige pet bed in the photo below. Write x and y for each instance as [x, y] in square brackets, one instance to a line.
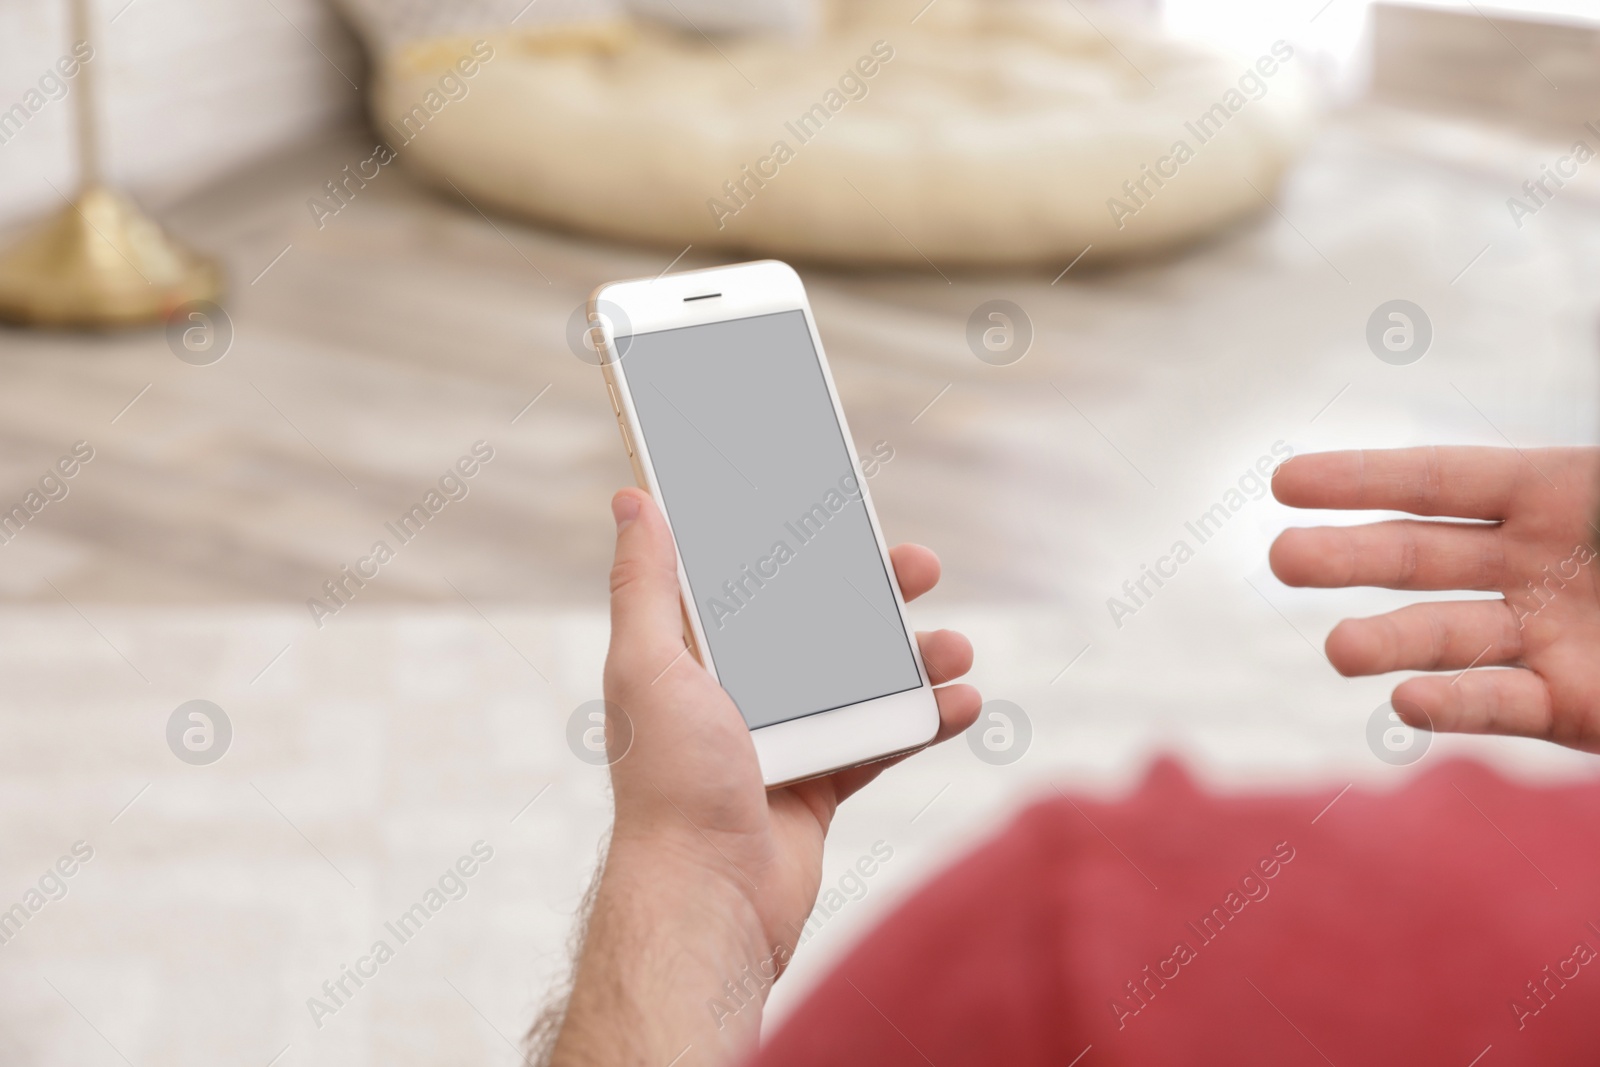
[982, 133]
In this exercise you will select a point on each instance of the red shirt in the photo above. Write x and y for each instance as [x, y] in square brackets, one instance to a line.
[1454, 919]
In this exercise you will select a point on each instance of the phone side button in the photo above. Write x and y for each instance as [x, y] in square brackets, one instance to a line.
[615, 407]
[627, 438]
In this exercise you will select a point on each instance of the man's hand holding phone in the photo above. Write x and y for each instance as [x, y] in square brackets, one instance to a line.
[1535, 547]
[709, 876]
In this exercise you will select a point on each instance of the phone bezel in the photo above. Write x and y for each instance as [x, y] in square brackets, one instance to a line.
[826, 741]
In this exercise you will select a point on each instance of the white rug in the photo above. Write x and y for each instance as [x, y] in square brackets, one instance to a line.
[368, 759]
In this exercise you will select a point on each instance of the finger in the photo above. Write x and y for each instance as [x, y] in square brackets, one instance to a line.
[1469, 483]
[958, 709]
[916, 568]
[646, 616]
[1512, 701]
[946, 653]
[959, 705]
[1428, 637]
[1402, 554]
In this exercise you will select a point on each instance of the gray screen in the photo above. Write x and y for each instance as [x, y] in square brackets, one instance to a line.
[756, 479]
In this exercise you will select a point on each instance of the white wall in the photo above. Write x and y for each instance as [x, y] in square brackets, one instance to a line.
[188, 89]
[1332, 33]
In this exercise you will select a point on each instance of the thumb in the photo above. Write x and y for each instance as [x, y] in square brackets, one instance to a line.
[646, 613]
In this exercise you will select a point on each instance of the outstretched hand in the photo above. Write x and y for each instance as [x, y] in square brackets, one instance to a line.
[1532, 546]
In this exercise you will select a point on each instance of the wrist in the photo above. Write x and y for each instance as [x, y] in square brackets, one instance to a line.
[666, 970]
[683, 884]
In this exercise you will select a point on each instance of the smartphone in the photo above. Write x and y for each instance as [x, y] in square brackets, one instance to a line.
[731, 419]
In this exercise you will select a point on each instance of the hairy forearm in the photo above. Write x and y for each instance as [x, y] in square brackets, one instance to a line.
[663, 941]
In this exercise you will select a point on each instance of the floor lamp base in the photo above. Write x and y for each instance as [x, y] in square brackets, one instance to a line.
[100, 263]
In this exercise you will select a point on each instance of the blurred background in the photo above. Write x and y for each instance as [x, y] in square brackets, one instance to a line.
[377, 225]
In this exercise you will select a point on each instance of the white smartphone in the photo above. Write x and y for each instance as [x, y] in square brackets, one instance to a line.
[731, 419]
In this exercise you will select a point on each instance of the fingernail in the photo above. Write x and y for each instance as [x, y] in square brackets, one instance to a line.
[624, 508]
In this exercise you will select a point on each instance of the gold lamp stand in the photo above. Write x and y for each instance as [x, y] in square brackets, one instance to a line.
[99, 262]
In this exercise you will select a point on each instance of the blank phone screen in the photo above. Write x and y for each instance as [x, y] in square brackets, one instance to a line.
[756, 479]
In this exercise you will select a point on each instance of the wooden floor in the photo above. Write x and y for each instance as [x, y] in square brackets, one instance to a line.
[370, 354]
